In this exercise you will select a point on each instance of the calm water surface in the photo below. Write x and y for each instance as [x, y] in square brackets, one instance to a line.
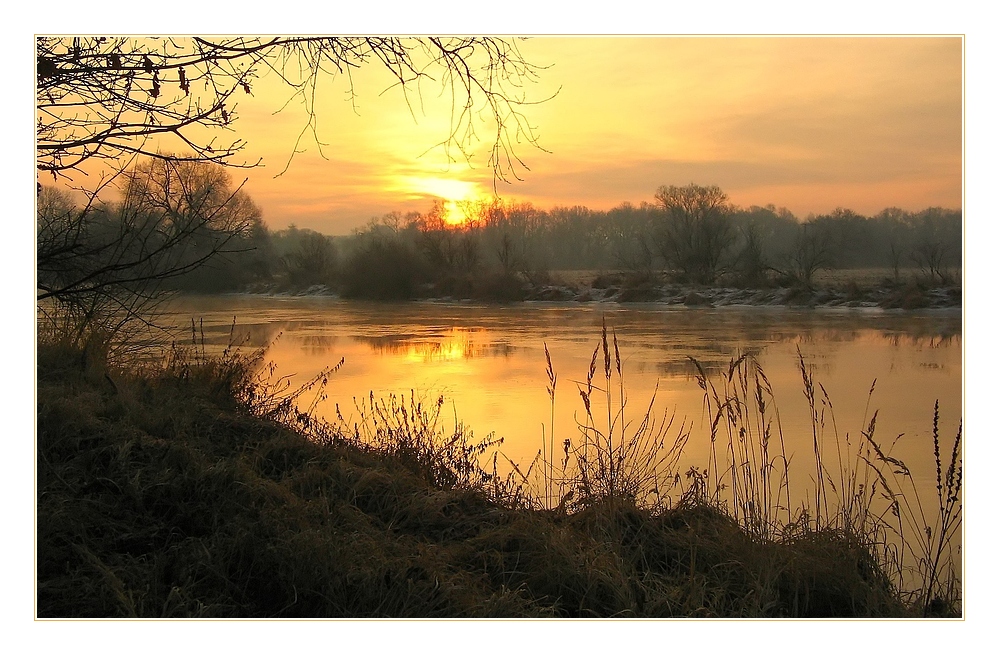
[489, 362]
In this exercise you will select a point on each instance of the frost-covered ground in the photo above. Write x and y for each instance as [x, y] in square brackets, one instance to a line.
[911, 293]
[902, 297]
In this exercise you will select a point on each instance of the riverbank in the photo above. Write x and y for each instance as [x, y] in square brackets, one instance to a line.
[847, 289]
[193, 492]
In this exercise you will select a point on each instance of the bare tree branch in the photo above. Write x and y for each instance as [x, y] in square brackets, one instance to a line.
[102, 98]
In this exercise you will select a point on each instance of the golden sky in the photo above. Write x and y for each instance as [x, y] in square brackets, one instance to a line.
[808, 123]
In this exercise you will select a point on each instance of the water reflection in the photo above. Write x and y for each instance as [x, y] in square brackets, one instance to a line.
[458, 343]
[318, 344]
[489, 361]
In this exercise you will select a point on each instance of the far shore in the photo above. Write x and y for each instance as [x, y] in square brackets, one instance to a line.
[864, 288]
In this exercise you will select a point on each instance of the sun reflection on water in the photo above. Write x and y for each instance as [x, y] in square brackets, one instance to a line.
[453, 345]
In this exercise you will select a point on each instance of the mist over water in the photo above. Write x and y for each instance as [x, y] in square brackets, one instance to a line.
[488, 363]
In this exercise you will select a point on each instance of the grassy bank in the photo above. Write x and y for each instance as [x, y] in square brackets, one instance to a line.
[193, 489]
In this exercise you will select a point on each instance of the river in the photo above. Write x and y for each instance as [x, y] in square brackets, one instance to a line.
[488, 362]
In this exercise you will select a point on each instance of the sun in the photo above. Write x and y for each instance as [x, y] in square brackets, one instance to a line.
[454, 193]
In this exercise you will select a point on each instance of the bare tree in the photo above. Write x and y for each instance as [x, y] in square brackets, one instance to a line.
[314, 261]
[894, 223]
[696, 232]
[751, 263]
[937, 243]
[507, 254]
[812, 251]
[932, 257]
[451, 250]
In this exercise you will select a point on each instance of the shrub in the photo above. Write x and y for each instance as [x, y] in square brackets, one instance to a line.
[383, 268]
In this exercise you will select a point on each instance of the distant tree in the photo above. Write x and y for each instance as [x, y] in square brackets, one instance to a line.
[936, 243]
[931, 258]
[314, 261]
[453, 253]
[382, 267]
[812, 252]
[773, 230]
[893, 224]
[437, 240]
[751, 263]
[630, 245]
[507, 254]
[695, 232]
[636, 256]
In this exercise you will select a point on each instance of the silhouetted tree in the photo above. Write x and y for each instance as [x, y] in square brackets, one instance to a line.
[812, 252]
[382, 267]
[892, 222]
[764, 236]
[937, 243]
[751, 264]
[695, 231]
[507, 254]
[314, 261]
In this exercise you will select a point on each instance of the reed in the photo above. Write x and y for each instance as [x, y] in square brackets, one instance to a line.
[414, 432]
[616, 457]
[878, 503]
[859, 491]
[751, 475]
[931, 540]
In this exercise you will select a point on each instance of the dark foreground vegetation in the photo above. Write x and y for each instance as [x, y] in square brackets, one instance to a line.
[199, 489]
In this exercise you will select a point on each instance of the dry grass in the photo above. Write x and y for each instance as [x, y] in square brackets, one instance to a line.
[862, 510]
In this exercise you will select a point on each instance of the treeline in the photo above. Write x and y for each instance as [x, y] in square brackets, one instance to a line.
[689, 235]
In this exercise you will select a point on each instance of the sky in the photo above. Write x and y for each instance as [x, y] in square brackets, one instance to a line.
[806, 123]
